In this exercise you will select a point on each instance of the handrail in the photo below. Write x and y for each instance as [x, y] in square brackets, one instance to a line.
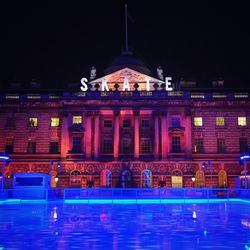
[125, 193]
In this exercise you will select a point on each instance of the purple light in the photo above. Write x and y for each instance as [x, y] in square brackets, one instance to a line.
[243, 157]
[5, 158]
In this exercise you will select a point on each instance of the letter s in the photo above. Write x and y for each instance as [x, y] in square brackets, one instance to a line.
[84, 86]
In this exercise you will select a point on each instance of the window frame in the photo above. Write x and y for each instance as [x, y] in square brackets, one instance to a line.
[56, 120]
[198, 121]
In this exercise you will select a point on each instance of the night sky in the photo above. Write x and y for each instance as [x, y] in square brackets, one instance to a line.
[57, 43]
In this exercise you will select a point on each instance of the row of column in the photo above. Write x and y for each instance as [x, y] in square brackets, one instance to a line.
[96, 135]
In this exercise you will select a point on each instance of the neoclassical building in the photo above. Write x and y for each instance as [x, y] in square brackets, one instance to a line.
[135, 134]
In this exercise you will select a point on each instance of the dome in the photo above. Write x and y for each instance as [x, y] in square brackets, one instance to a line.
[127, 60]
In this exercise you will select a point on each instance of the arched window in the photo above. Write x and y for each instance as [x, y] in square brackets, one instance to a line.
[106, 178]
[126, 178]
[222, 176]
[177, 179]
[146, 178]
[199, 179]
[75, 178]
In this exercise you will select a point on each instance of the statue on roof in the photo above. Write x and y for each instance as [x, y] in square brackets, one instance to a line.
[160, 73]
[92, 73]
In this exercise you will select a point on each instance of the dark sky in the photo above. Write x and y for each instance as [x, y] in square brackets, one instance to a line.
[57, 42]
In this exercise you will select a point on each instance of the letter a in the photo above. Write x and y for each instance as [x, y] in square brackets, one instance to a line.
[126, 85]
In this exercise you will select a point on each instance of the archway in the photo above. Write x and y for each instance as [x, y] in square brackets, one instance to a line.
[177, 179]
[75, 178]
[199, 179]
[222, 179]
[146, 178]
[106, 178]
[126, 178]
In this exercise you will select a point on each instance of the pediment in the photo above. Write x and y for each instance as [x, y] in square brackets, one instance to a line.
[131, 76]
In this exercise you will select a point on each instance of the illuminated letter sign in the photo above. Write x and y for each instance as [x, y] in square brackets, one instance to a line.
[126, 86]
[104, 85]
[84, 86]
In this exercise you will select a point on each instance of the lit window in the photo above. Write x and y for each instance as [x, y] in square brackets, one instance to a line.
[107, 123]
[126, 123]
[220, 121]
[54, 122]
[242, 121]
[198, 121]
[33, 122]
[77, 120]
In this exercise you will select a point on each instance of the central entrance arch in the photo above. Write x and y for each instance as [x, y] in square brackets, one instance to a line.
[126, 178]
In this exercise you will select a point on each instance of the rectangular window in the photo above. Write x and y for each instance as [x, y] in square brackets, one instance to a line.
[242, 121]
[33, 122]
[76, 144]
[243, 145]
[126, 145]
[53, 149]
[221, 147]
[10, 122]
[31, 149]
[9, 146]
[126, 123]
[145, 123]
[175, 121]
[107, 123]
[107, 146]
[146, 146]
[54, 122]
[77, 119]
[198, 121]
[220, 121]
[198, 147]
[176, 144]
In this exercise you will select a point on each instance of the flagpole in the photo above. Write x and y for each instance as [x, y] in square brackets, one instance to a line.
[126, 29]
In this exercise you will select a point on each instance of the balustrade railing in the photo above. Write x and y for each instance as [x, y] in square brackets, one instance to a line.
[124, 194]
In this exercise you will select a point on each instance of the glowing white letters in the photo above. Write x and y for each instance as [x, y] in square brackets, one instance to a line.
[84, 86]
[125, 86]
[168, 83]
[104, 85]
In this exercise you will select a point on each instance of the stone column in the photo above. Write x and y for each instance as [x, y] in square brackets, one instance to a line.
[64, 136]
[136, 135]
[88, 135]
[188, 132]
[156, 135]
[116, 134]
[164, 135]
[96, 135]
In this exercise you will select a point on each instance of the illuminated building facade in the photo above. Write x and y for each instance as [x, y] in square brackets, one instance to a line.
[144, 137]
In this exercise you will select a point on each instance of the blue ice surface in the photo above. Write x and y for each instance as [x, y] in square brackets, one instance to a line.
[217, 224]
